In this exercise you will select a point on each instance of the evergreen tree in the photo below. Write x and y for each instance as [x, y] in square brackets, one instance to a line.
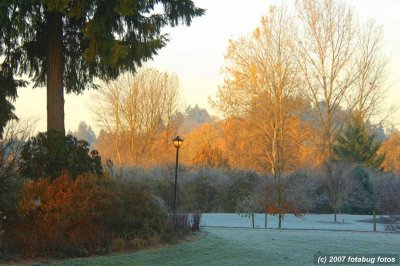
[67, 44]
[362, 199]
[85, 132]
[358, 145]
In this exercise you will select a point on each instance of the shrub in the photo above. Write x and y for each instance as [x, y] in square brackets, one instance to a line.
[118, 244]
[135, 212]
[201, 192]
[63, 217]
[393, 223]
[196, 220]
[177, 227]
[83, 216]
[50, 153]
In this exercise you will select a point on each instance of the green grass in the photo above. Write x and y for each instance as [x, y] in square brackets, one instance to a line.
[241, 246]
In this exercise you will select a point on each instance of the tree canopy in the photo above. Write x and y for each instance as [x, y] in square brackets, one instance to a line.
[70, 43]
[358, 145]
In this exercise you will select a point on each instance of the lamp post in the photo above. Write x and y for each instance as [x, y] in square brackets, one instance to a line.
[177, 143]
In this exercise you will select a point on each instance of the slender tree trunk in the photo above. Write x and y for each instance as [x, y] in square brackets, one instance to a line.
[266, 220]
[55, 71]
[335, 218]
[117, 124]
[252, 218]
[374, 219]
[280, 221]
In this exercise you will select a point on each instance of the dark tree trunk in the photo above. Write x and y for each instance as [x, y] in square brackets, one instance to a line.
[265, 221]
[252, 218]
[280, 221]
[374, 219]
[55, 71]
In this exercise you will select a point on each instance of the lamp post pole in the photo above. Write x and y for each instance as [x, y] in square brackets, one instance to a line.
[176, 177]
[177, 143]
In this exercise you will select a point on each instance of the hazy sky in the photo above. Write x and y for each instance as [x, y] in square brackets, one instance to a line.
[196, 55]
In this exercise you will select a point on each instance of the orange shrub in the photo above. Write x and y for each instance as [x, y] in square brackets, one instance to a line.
[63, 217]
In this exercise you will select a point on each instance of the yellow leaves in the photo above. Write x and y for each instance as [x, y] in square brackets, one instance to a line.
[210, 155]
[199, 138]
[256, 33]
[391, 149]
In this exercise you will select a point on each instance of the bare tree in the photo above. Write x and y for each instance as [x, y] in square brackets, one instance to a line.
[250, 205]
[136, 108]
[336, 184]
[342, 65]
[326, 41]
[16, 133]
[302, 190]
[372, 72]
[106, 109]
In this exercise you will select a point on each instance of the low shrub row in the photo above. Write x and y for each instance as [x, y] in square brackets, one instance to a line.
[88, 215]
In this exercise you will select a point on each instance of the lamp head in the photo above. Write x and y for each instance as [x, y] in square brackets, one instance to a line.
[177, 142]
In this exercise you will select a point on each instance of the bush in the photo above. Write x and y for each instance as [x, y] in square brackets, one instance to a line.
[62, 218]
[135, 212]
[177, 227]
[196, 217]
[50, 153]
[393, 223]
[87, 215]
[201, 192]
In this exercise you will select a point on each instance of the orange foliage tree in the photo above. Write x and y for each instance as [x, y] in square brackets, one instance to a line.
[241, 145]
[391, 149]
[262, 87]
[204, 146]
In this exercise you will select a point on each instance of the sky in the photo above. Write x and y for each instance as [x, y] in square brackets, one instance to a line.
[196, 55]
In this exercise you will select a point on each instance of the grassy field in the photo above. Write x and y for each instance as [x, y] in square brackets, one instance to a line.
[308, 221]
[245, 246]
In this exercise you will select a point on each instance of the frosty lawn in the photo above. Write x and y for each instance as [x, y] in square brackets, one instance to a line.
[247, 246]
[309, 221]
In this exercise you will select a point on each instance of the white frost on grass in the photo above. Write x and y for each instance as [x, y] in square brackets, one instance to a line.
[309, 221]
[246, 246]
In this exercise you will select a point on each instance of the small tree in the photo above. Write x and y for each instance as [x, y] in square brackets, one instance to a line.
[49, 154]
[250, 198]
[357, 145]
[302, 191]
[249, 205]
[278, 200]
[363, 198]
[336, 184]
